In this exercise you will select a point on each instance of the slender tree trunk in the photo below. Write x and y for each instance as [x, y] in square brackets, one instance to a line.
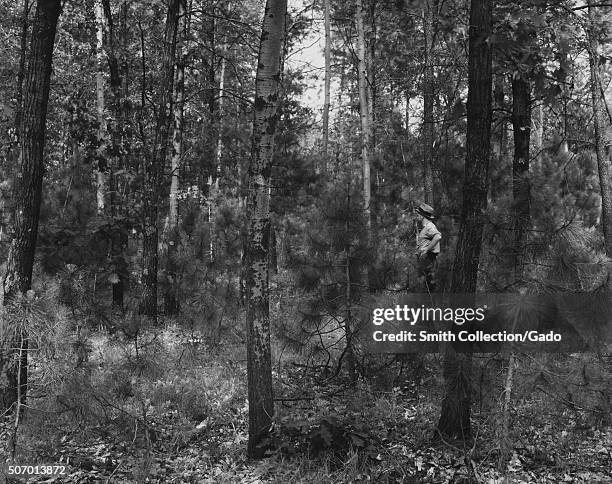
[219, 149]
[521, 124]
[372, 98]
[504, 432]
[428, 103]
[455, 414]
[116, 160]
[539, 134]
[171, 300]
[212, 68]
[366, 126]
[498, 99]
[213, 189]
[538, 145]
[154, 166]
[326, 88]
[256, 262]
[348, 298]
[239, 168]
[564, 69]
[101, 170]
[210, 65]
[498, 146]
[370, 56]
[27, 197]
[602, 139]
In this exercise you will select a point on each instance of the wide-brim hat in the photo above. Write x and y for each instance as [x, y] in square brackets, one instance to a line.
[426, 211]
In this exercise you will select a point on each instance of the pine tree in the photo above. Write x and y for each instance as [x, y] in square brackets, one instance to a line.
[27, 195]
[256, 262]
[455, 413]
[153, 167]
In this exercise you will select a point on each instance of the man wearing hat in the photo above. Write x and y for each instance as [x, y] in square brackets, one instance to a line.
[428, 245]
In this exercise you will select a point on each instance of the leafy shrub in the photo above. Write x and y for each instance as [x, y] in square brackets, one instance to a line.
[330, 434]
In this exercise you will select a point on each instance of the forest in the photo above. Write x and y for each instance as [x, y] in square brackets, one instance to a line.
[306, 241]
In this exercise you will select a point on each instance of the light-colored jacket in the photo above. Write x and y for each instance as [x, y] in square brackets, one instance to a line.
[426, 235]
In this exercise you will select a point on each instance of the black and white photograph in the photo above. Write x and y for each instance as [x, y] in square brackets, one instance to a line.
[306, 241]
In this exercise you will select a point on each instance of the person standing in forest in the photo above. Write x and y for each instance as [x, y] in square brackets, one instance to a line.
[428, 246]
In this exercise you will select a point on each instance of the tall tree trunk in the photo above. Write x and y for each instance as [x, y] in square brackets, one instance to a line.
[428, 103]
[326, 88]
[348, 298]
[116, 161]
[602, 138]
[371, 95]
[256, 262]
[27, 197]
[370, 56]
[9, 163]
[349, 354]
[210, 34]
[102, 168]
[455, 413]
[366, 125]
[171, 301]
[219, 149]
[213, 189]
[153, 168]
[521, 124]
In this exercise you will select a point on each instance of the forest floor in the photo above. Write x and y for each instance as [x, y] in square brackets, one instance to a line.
[124, 418]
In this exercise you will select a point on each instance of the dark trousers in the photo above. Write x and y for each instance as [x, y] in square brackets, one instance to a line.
[426, 268]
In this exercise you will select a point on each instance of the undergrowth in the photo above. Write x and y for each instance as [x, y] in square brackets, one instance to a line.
[168, 404]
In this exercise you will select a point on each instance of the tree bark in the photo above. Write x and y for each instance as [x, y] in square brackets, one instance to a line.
[116, 160]
[153, 169]
[428, 104]
[373, 152]
[213, 189]
[111, 55]
[504, 432]
[171, 300]
[499, 136]
[219, 149]
[348, 298]
[602, 137]
[521, 125]
[27, 196]
[326, 88]
[497, 187]
[366, 127]
[22, 66]
[565, 66]
[539, 134]
[9, 163]
[455, 413]
[256, 261]
[102, 167]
